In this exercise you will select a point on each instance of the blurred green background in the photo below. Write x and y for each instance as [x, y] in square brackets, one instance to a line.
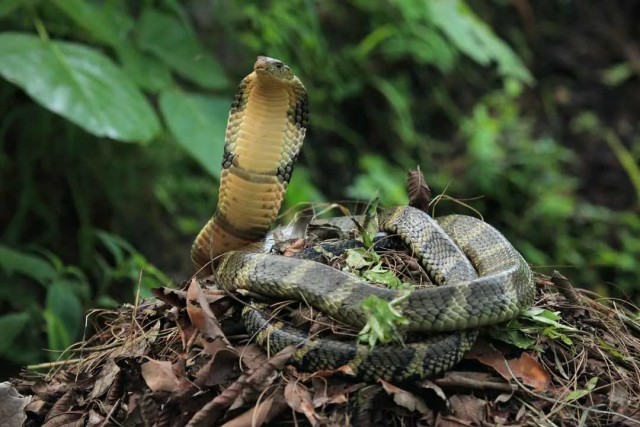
[112, 119]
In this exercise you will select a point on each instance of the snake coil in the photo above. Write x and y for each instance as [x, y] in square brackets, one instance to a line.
[482, 279]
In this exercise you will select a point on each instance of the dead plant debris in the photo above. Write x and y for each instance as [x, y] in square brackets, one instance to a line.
[184, 359]
[180, 360]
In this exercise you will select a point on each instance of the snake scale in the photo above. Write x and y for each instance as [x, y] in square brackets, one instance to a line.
[482, 280]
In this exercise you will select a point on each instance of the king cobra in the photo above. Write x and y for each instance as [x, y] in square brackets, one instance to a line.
[482, 279]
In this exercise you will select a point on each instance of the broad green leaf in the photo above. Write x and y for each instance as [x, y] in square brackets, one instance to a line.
[146, 71]
[11, 326]
[169, 39]
[64, 315]
[198, 124]
[57, 336]
[31, 266]
[475, 39]
[104, 20]
[80, 84]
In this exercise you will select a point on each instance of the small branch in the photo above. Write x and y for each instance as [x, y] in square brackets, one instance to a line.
[460, 381]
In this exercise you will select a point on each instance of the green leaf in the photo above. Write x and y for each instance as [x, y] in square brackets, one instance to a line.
[198, 124]
[512, 333]
[146, 71]
[64, 315]
[80, 84]
[359, 258]
[11, 326]
[169, 39]
[385, 277]
[579, 393]
[544, 316]
[57, 335]
[612, 350]
[475, 39]
[104, 20]
[31, 266]
[383, 320]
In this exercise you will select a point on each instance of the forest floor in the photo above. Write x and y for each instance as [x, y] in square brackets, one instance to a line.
[184, 358]
[163, 362]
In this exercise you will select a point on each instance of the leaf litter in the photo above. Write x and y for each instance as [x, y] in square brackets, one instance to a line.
[183, 359]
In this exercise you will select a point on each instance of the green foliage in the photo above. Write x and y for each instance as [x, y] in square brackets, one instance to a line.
[582, 392]
[181, 110]
[534, 322]
[65, 287]
[26, 277]
[92, 92]
[383, 321]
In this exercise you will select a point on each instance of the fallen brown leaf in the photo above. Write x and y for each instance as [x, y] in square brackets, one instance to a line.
[252, 356]
[405, 399]
[294, 247]
[160, 376]
[526, 367]
[419, 191]
[298, 398]
[261, 413]
[264, 376]
[469, 408]
[213, 339]
[12, 405]
[325, 393]
[219, 370]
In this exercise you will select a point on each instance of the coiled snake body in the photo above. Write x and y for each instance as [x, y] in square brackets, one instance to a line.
[482, 279]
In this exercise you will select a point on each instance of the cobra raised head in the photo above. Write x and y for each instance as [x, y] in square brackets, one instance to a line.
[266, 127]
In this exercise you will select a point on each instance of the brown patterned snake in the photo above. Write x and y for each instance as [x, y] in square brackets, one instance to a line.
[482, 279]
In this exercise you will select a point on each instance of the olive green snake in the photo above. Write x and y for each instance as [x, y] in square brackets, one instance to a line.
[482, 279]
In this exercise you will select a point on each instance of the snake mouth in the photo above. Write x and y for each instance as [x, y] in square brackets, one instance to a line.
[262, 64]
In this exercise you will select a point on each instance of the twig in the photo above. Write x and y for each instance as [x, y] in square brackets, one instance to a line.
[460, 381]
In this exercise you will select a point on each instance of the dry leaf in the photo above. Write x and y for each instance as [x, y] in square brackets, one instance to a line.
[405, 399]
[526, 368]
[530, 371]
[298, 398]
[325, 393]
[213, 339]
[419, 191]
[264, 376]
[294, 247]
[159, 376]
[469, 408]
[262, 413]
[219, 370]
[430, 385]
[12, 405]
[252, 356]
[104, 381]
[213, 410]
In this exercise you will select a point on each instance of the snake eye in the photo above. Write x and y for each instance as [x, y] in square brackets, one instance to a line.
[279, 65]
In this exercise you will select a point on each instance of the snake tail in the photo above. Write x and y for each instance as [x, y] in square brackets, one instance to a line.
[266, 127]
